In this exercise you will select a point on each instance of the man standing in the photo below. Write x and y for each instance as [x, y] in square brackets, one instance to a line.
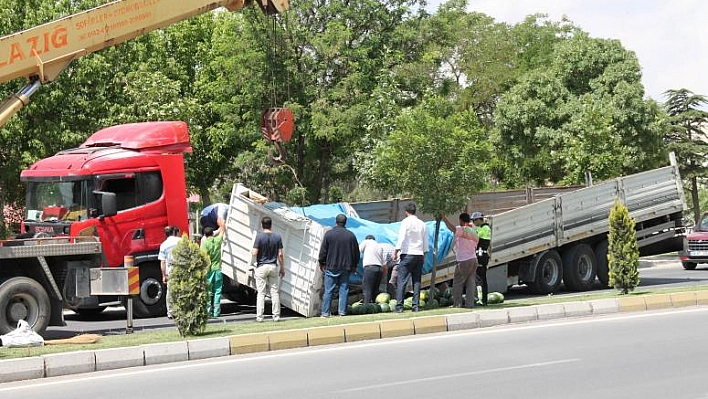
[465, 277]
[412, 245]
[268, 250]
[374, 263]
[214, 216]
[212, 246]
[485, 237]
[339, 256]
[165, 258]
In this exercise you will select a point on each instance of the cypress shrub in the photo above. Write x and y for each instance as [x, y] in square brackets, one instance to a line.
[188, 287]
[623, 251]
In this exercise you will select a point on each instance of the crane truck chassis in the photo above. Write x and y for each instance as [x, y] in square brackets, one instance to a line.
[112, 196]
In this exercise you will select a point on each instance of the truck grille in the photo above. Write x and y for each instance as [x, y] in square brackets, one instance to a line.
[698, 245]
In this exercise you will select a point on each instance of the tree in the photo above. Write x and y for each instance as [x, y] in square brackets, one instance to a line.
[436, 156]
[188, 287]
[623, 251]
[550, 123]
[688, 137]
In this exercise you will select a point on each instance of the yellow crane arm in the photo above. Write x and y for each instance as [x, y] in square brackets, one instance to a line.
[39, 54]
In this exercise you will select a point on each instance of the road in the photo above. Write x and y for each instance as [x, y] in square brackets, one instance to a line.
[657, 273]
[647, 355]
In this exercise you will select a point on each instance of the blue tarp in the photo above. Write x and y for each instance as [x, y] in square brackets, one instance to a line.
[325, 215]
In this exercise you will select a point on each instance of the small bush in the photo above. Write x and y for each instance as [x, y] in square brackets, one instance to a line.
[188, 287]
[623, 251]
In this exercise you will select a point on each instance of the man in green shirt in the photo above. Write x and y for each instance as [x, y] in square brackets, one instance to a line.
[212, 246]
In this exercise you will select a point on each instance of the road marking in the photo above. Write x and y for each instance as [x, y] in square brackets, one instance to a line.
[506, 328]
[447, 376]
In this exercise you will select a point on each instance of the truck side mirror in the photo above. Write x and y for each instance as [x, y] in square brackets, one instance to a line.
[108, 203]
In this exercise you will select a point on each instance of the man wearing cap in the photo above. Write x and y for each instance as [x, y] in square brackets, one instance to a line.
[484, 232]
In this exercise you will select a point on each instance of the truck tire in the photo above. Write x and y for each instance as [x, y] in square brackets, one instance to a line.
[579, 267]
[603, 270]
[689, 265]
[151, 302]
[23, 298]
[548, 273]
[242, 295]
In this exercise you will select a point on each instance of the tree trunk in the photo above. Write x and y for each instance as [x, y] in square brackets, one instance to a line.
[205, 197]
[695, 200]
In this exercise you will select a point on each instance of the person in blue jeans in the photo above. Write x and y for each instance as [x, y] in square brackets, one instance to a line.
[339, 256]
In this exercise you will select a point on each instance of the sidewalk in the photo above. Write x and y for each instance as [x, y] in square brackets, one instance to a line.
[108, 359]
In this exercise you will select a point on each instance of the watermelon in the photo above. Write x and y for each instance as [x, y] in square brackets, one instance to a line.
[444, 302]
[349, 309]
[385, 308]
[383, 297]
[422, 304]
[448, 293]
[408, 303]
[392, 304]
[424, 295]
[433, 304]
[495, 297]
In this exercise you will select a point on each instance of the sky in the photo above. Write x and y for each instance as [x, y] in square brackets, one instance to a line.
[669, 37]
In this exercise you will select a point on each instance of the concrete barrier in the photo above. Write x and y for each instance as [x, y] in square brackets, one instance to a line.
[493, 317]
[396, 328]
[657, 301]
[632, 304]
[682, 299]
[166, 352]
[249, 343]
[118, 358]
[325, 335]
[577, 309]
[604, 306]
[362, 331]
[206, 348]
[287, 339]
[430, 324]
[65, 363]
[462, 321]
[550, 311]
[27, 368]
[523, 314]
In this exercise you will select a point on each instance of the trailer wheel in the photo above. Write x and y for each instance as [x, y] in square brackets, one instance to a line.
[579, 267]
[603, 271]
[549, 273]
[22, 298]
[689, 265]
[151, 302]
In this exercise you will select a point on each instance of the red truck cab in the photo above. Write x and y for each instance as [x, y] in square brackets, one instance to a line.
[695, 248]
[124, 184]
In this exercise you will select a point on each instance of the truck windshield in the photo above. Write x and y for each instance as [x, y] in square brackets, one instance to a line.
[54, 201]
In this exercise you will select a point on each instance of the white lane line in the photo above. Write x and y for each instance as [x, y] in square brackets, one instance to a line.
[447, 376]
[506, 328]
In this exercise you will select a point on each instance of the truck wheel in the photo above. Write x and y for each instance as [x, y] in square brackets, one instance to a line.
[242, 295]
[689, 265]
[151, 300]
[22, 298]
[603, 271]
[579, 267]
[549, 273]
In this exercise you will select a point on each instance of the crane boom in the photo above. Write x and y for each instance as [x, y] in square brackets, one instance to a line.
[41, 53]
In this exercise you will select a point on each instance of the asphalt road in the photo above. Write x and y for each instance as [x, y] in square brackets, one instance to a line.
[646, 355]
[654, 273]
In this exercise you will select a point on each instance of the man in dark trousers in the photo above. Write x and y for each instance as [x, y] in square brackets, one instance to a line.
[339, 256]
[484, 232]
[411, 247]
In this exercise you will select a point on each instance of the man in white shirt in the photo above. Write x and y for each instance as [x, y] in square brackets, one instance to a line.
[411, 247]
[165, 258]
[374, 263]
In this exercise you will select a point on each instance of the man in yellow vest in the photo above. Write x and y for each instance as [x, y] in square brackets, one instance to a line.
[484, 232]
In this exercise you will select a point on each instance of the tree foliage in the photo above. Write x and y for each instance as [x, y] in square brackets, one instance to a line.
[188, 287]
[623, 251]
[688, 138]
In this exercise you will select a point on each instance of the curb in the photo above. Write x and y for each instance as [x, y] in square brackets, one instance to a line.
[51, 365]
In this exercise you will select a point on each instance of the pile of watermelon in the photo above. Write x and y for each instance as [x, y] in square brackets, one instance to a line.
[384, 304]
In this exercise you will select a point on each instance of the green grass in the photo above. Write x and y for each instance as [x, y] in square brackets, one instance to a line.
[228, 329]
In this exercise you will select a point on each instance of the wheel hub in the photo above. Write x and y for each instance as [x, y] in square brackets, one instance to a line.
[150, 291]
[18, 311]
